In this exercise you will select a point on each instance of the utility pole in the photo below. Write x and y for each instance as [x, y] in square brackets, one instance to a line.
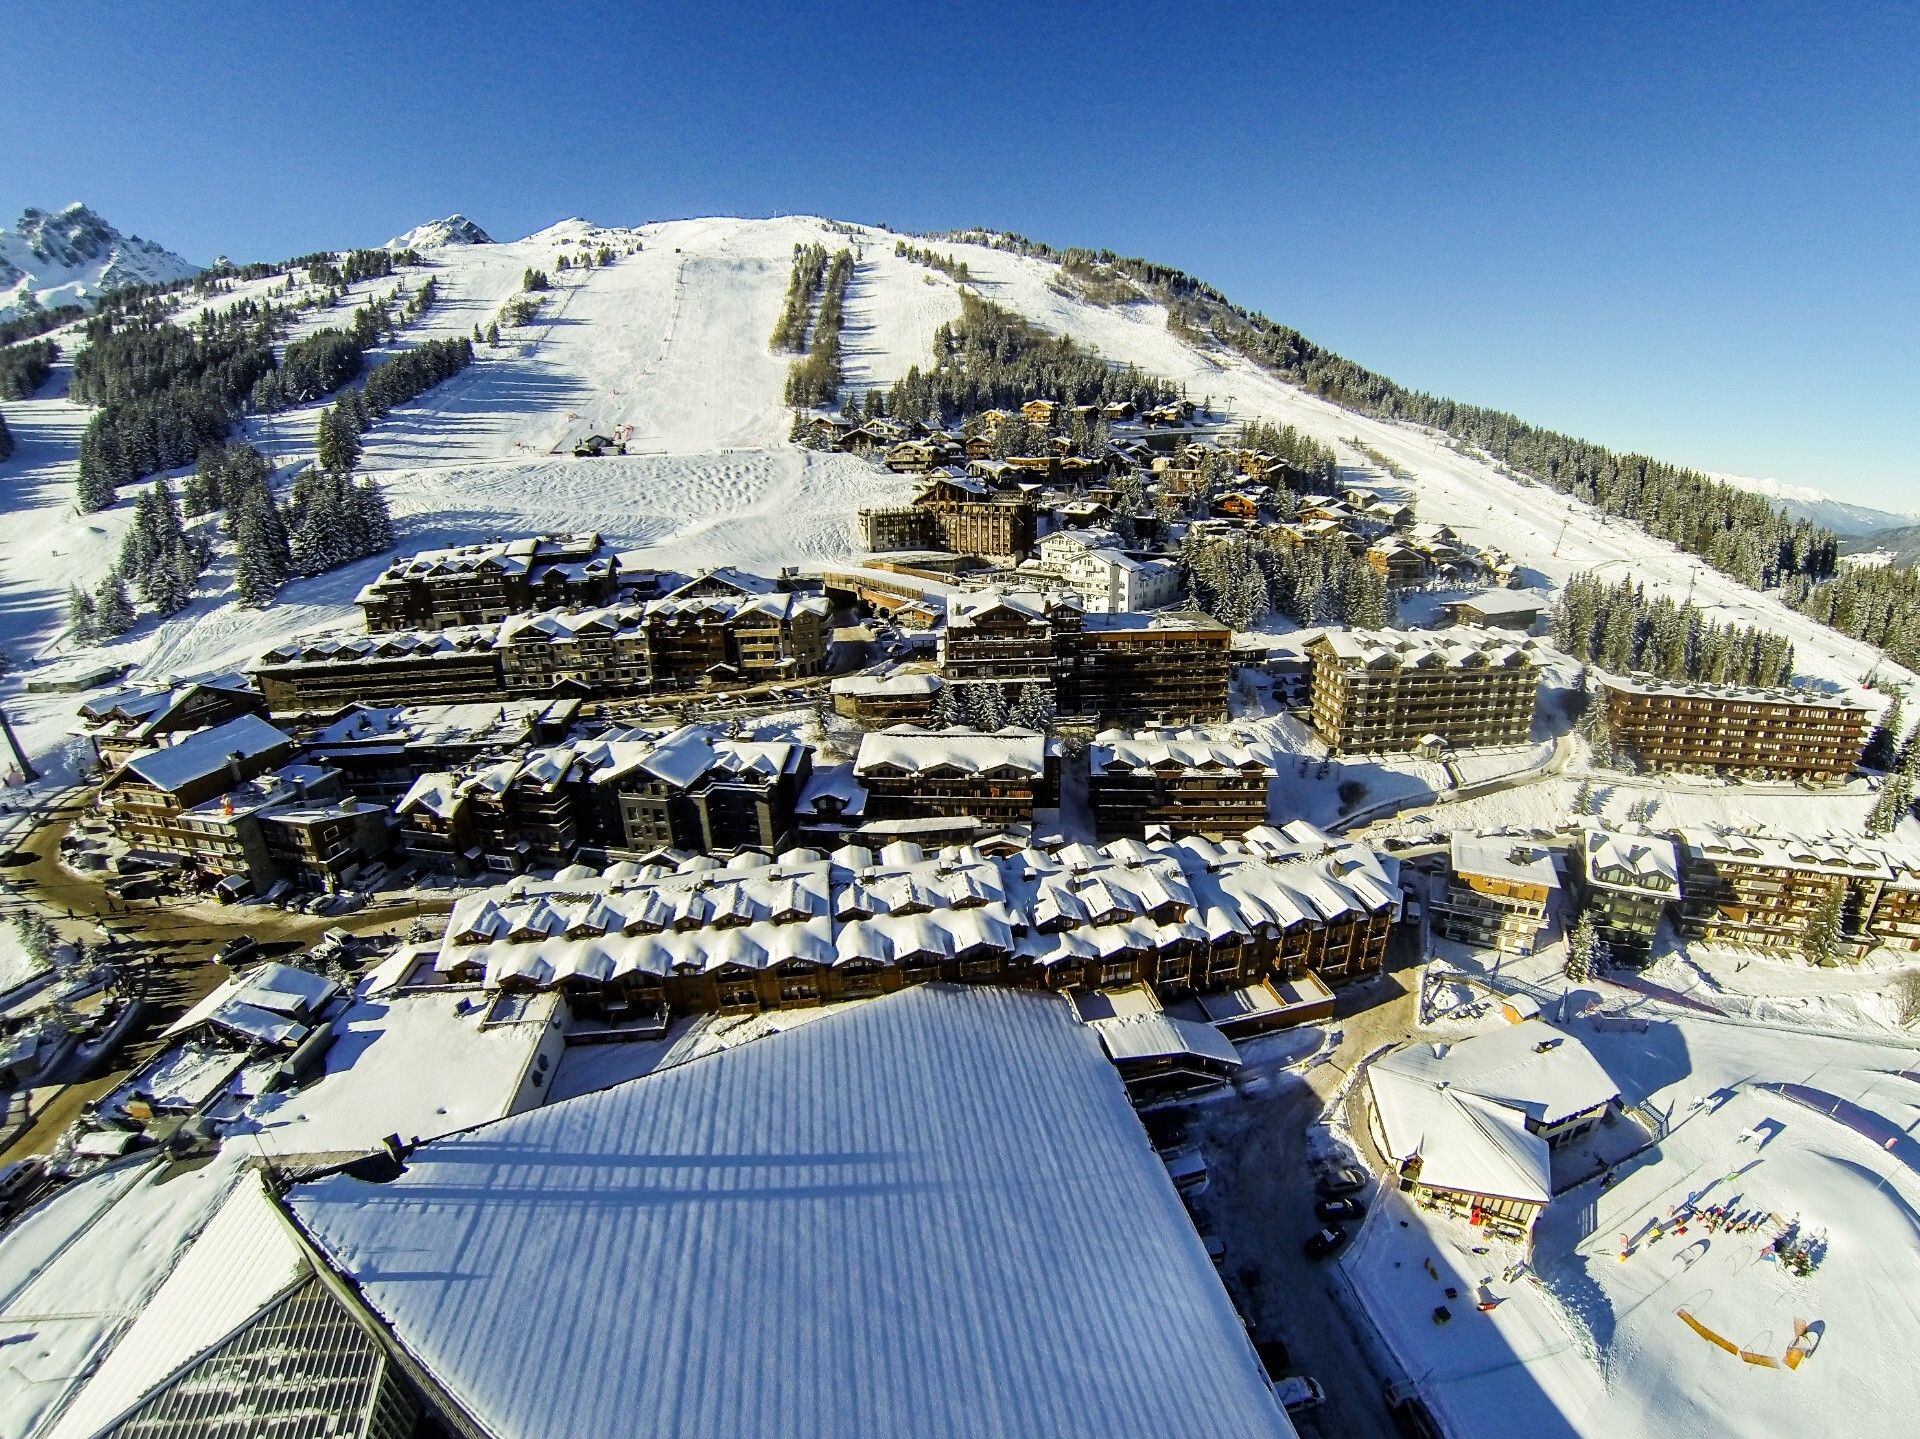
[28, 774]
[1561, 536]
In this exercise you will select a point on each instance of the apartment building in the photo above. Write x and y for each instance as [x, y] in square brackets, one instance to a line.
[1747, 890]
[954, 512]
[1497, 894]
[624, 793]
[380, 750]
[1108, 578]
[146, 798]
[1176, 780]
[1628, 884]
[1004, 637]
[324, 674]
[1168, 667]
[723, 628]
[123, 722]
[803, 929]
[484, 583]
[1735, 729]
[905, 694]
[296, 824]
[1390, 691]
[912, 773]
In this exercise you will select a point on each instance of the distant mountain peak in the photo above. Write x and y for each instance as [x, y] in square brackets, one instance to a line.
[1804, 502]
[454, 230]
[72, 256]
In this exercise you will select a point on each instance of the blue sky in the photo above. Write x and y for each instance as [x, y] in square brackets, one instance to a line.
[1692, 233]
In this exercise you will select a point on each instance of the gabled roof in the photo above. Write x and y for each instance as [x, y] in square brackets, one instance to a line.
[200, 755]
[873, 1223]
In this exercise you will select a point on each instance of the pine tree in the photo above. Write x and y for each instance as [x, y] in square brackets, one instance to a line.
[369, 529]
[1821, 943]
[1033, 707]
[113, 608]
[95, 489]
[1598, 729]
[493, 332]
[950, 707]
[1883, 747]
[1586, 951]
[1894, 804]
[82, 621]
[987, 708]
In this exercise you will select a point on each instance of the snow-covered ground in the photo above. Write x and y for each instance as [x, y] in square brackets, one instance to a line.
[667, 347]
[1595, 1345]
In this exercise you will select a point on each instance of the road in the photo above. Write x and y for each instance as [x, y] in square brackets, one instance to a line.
[173, 939]
[1260, 1198]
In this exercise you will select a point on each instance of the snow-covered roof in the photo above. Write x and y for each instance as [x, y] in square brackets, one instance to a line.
[886, 1208]
[915, 750]
[1640, 684]
[1464, 1142]
[919, 683]
[261, 1002]
[1464, 1108]
[1162, 1036]
[78, 1268]
[418, 1063]
[964, 608]
[506, 557]
[243, 1260]
[207, 753]
[1843, 854]
[1504, 857]
[1187, 751]
[1463, 647]
[1644, 863]
[1504, 602]
[858, 905]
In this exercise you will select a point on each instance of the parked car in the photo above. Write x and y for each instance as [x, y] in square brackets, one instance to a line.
[1329, 1210]
[1325, 1241]
[21, 1178]
[1299, 1392]
[1345, 1180]
[235, 950]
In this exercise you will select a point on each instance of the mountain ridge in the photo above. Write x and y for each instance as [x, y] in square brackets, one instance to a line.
[73, 256]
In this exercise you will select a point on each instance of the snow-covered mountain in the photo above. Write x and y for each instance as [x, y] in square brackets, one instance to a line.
[1803, 502]
[437, 234]
[72, 256]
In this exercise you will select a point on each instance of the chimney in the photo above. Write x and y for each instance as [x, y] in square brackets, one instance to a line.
[233, 768]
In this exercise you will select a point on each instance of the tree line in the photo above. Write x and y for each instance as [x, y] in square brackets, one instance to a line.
[953, 269]
[24, 368]
[36, 320]
[163, 394]
[1620, 628]
[989, 359]
[814, 378]
[1240, 581]
[809, 274]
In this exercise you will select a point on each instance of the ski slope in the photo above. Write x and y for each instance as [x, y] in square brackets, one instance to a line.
[667, 348]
